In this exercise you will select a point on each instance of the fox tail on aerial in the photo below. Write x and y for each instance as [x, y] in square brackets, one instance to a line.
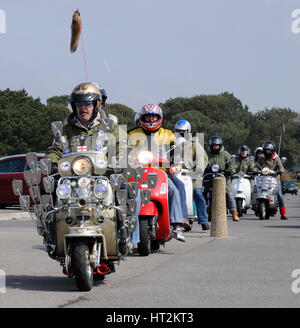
[76, 33]
[75, 30]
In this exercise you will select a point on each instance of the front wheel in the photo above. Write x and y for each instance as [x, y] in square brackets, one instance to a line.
[239, 206]
[209, 210]
[155, 245]
[144, 246]
[262, 211]
[81, 265]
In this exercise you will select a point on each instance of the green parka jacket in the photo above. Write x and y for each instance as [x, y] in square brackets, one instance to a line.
[72, 128]
[244, 164]
[223, 159]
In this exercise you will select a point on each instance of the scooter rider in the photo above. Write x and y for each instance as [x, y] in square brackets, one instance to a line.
[85, 119]
[218, 155]
[194, 158]
[150, 130]
[273, 162]
[258, 154]
[243, 162]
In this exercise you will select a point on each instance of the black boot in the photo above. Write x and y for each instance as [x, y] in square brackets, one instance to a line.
[205, 226]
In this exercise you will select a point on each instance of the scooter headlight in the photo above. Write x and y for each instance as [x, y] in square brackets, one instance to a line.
[84, 182]
[215, 168]
[100, 189]
[82, 166]
[83, 192]
[265, 171]
[63, 191]
[145, 157]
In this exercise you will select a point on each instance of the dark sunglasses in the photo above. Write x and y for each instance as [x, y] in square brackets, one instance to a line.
[86, 103]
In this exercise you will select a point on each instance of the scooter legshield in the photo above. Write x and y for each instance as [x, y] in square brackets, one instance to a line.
[158, 205]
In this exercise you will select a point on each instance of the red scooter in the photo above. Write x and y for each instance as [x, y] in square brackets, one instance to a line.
[154, 215]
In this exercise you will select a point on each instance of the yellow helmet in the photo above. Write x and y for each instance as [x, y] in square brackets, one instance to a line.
[86, 92]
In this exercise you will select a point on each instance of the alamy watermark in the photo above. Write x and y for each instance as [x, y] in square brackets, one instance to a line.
[2, 21]
[296, 283]
[296, 22]
[2, 282]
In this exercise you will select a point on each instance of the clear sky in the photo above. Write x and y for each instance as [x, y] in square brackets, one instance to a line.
[146, 51]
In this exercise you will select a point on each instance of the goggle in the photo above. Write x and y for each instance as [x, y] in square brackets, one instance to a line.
[86, 103]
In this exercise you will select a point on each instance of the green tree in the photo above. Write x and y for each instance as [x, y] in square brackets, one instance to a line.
[124, 114]
[25, 123]
[222, 115]
[269, 127]
[58, 100]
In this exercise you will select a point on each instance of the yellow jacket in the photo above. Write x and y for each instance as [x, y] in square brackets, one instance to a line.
[162, 137]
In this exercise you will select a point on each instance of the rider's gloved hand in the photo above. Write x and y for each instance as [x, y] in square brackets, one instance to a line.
[175, 169]
[228, 173]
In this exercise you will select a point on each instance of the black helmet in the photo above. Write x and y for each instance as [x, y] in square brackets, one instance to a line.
[268, 148]
[215, 140]
[86, 92]
[244, 148]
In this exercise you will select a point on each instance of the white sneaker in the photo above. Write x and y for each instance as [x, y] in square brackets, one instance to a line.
[178, 234]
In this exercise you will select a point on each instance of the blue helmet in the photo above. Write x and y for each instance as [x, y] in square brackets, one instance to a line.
[183, 125]
[103, 94]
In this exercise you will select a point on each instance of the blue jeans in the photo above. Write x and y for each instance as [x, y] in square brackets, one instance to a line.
[180, 186]
[175, 212]
[280, 196]
[200, 206]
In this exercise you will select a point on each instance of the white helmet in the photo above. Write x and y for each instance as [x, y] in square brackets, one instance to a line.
[258, 149]
[183, 125]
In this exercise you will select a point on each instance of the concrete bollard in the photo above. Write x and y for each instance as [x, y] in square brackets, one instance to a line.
[218, 209]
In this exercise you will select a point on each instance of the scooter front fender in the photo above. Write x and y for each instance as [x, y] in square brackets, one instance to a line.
[149, 209]
[240, 195]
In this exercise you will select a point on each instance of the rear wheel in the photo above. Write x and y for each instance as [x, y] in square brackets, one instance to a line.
[81, 265]
[144, 246]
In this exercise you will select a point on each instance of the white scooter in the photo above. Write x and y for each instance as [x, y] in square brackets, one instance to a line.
[183, 176]
[188, 185]
[241, 189]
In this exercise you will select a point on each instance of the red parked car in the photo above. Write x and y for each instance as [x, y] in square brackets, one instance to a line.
[12, 168]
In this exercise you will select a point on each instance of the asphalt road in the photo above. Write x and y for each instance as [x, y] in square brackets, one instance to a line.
[253, 267]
